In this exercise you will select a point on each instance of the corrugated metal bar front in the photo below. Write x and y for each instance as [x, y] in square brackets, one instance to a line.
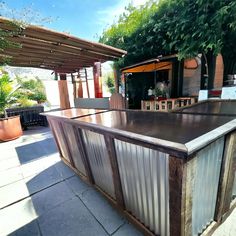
[234, 187]
[145, 183]
[59, 136]
[73, 146]
[99, 161]
[206, 181]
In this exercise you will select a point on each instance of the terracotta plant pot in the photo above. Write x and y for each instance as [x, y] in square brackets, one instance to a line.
[10, 128]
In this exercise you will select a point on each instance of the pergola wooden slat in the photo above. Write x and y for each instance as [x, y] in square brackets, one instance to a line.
[44, 48]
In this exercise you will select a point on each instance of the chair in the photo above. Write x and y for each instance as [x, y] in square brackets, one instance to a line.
[117, 101]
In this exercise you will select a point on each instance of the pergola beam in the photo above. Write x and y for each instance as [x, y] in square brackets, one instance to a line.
[59, 50]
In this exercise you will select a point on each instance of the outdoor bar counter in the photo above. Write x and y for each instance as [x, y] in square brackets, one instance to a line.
[217, 107]
[167, 173]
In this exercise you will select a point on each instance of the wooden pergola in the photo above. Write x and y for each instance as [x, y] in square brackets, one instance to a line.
[60, 52]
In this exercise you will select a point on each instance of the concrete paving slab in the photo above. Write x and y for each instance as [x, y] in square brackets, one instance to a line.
[42, 180]
[102, 210]
[9, 163]
[13, 193]
[7, 152]
[10, 176]
[31, 229]
[49, 146]
[30, 152]
[16, 216]
[64, 171]
[77, 185]
[70, 218]
[51, 197]
[38, 166]
[127, 230]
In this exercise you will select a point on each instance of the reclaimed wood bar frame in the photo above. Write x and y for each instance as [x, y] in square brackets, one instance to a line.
[181, 168]
[225, 201]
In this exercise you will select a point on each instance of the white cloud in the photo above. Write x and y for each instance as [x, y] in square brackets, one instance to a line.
[109, 15]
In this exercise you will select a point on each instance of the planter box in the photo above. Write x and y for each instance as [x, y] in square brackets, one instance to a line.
[167, 173]
[28, 115]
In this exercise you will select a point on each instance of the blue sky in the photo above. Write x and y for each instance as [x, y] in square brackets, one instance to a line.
[82, 18]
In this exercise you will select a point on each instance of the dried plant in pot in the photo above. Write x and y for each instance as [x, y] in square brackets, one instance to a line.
[10, 127]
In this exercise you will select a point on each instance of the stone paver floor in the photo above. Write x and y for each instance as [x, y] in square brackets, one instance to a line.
[41, 196]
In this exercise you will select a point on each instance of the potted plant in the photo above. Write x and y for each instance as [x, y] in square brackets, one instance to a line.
[10, 127]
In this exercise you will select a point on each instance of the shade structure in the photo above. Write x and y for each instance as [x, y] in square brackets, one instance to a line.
[48, 49]
[155, 64]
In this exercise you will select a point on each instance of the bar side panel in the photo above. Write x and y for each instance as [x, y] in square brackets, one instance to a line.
[74, 149]
[99, 161]
[206, 181]
[145, 184]
[56, 125]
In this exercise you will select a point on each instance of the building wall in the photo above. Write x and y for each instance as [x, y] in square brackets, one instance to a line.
[192, 77]
[192, 80]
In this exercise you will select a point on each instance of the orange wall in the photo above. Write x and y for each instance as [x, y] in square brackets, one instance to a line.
[218, 83]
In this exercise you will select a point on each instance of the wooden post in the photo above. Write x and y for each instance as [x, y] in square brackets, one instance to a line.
[87, 85]
[63, 92]
[116, 80]
[97, 76]
[74, 85]
[177, 178]
[84, 156]
[115, 170]
[226, 177]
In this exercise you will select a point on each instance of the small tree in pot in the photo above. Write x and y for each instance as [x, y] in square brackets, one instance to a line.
[10, 128]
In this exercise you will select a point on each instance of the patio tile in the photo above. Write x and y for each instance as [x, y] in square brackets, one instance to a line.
[102, 210]
[38, 166]
[7, 152]
[64, 171]
[10, 176]
[127, 230]
[9, 163]
[70, 218]
[31, 229]
[30, 152]
[16, 216]
[13, 193]
[51, 197]
[77, 185]
[49, 146]
[42, 180]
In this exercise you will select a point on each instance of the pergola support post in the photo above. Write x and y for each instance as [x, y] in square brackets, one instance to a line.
[63, 92]
[97, 76]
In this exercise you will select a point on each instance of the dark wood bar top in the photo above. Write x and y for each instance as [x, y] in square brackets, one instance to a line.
[212, 107]
[72, 113]
[186, 132]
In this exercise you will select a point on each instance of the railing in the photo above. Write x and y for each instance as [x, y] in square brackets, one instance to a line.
[167, 104]
[28, 115]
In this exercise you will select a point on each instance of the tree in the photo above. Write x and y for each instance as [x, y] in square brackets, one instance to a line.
[31, 89]
[20, 19]
[198, 27]
[7, 89]
[184, 27]
[121, 33]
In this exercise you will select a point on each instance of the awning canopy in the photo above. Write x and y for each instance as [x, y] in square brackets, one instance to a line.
[162, 63]
[47, 49]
